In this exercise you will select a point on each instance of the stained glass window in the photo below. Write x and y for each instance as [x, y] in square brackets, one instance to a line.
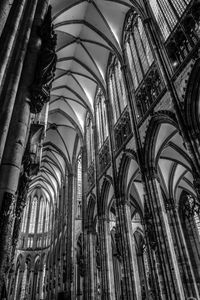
[23, 287]
[25, 217]
[167, 14]
[33, 215]
[89, 139]
[117, 90]
[41, 215]
[138, 51]
[79, 187]
[47, 211]
[102, 126]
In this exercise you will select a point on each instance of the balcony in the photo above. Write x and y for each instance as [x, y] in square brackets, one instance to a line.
[91, 175]
[122, 130]
[104, 156]
[184, 41]
[33, 153]
[148, 91]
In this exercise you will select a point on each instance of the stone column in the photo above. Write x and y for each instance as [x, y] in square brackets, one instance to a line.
[10, 35]
[17, 138]
[128, 253]
[6, 227]
[165, 68]
[107, 278]
[171, 287]
[20, 204]
[18, 132]
[187, 274]
[13, 58]
[155, 280]
[69, 253]
[42, 282]
[88, 288]
[90, 291]
[5, 6]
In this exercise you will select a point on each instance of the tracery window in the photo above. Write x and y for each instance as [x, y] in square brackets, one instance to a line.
[167, 13]
[36, 220]
[25, 216]
[47, 213]
[102, 125]
[192, 211]
[89, 139]
[23, 286]
[79, 187]
[41, 215]
[117, 89]
[138, 50]
[34, 203]
[147, 82]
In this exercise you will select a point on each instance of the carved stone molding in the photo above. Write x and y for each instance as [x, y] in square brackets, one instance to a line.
[45, 68]
[169, 204]
[149, 228]
[6, 224]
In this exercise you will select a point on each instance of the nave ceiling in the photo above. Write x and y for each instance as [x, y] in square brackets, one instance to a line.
[87, 32]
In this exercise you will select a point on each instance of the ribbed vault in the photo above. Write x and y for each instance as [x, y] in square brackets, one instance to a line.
[87, 32]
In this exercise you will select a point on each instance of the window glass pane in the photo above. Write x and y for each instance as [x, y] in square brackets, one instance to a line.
[99, 124]
[112, 98]
[101, 118]
[168, 13]
[116, 92]
[79, 188]
[47, 217]
[131, 65]
[140, 49]
[25, 217]
[41, 216]
[164, 12]
[180, 6]
[105, 124]
[79, 179]
[160, 19]
[120, 79]
[33, 215]
[148, 52]
[89, 140]
[23, 287]
[136, 60]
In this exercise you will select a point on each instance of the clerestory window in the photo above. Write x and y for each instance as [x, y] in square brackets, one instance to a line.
[167, 14]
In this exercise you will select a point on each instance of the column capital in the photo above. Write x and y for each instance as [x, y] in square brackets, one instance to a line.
[90, 228]
[151, 173]
[147, 20]
[122, 201]
[124, 67]
[103, 218]
[106, 101]
[70, 175]
[169, 204]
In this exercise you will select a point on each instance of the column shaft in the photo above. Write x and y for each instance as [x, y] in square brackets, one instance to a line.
[91, 268]
[185, 266]
[69, 253]
[107, 278]
[129, 258]
[171, 274]
[18, 132]
[165, 68]
[10, 87]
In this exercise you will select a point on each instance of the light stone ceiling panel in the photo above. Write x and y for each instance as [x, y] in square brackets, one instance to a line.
[87, 32]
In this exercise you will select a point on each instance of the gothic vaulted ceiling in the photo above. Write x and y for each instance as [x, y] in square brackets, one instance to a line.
[87, 31]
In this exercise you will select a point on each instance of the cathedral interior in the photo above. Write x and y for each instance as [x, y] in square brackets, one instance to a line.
[100, 149]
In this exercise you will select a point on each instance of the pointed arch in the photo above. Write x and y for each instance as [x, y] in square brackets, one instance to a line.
[192, 100]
